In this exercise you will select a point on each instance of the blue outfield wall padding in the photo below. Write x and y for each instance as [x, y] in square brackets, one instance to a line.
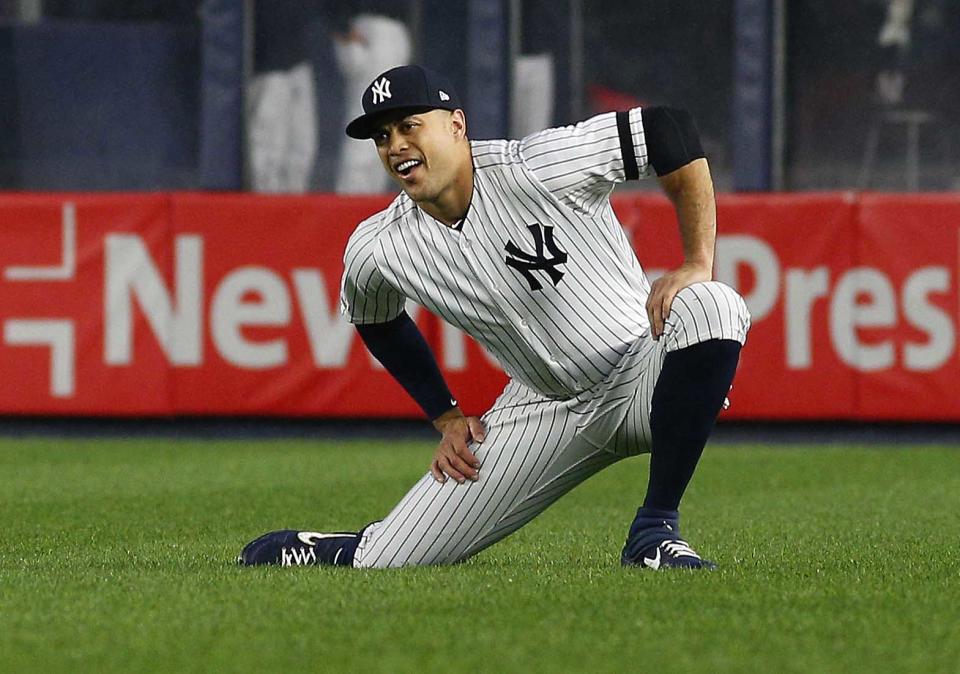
[98, 106]
[220, 161]
[753, 95]
[488, 68]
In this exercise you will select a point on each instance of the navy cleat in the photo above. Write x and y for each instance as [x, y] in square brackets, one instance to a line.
[654, 542]
[672, 553]
[289, 547]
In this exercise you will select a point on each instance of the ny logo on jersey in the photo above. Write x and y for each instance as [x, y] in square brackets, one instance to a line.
[526, 264]
[381, 90]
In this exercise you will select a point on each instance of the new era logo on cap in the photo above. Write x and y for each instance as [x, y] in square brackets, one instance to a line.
[443, 95]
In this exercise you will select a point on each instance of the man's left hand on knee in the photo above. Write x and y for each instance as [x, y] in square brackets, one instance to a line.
[665, 288]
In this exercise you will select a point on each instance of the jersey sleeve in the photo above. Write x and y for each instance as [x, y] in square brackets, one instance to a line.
[580, 164]
[365, 295]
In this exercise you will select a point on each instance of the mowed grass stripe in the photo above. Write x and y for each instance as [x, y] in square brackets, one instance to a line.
[117, 555]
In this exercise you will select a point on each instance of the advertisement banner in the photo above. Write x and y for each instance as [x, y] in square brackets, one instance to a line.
[227, 304]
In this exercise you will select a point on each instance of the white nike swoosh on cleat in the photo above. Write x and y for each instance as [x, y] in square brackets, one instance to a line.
[653, 563]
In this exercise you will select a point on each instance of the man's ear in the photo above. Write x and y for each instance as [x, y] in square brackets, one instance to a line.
[459, 122]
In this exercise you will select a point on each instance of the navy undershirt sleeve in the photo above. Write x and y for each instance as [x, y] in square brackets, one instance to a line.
[672, 138]
[400, 347]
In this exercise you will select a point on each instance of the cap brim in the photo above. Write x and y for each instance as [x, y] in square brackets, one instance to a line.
[364, 126]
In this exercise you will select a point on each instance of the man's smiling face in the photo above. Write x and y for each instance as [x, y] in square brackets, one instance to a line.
[420, 151]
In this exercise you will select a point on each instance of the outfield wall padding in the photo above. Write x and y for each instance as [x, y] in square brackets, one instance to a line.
[226, 304]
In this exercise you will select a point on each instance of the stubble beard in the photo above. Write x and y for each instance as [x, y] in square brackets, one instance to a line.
[422, 192]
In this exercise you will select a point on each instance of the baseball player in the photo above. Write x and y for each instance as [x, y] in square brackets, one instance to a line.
[515, 243]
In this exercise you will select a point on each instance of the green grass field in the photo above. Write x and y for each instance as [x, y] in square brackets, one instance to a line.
[117, 555]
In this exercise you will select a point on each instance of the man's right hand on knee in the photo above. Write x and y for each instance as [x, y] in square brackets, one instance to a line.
[453, 456]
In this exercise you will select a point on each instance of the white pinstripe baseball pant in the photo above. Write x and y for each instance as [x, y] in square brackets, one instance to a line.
[538, 449]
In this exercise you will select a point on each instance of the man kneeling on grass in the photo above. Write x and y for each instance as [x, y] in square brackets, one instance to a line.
[516, 244]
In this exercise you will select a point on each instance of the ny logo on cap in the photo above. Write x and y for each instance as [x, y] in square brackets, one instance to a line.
[381, 90]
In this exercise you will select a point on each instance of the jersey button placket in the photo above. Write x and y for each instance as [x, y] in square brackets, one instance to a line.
[505, 307]
[466, 247]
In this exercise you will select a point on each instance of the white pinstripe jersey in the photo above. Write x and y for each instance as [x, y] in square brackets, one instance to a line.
[558, 327]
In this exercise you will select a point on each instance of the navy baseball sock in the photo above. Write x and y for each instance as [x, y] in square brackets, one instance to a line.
[686, 400]
[650, 527]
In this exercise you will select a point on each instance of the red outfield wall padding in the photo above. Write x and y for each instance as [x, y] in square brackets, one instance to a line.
[227, 304]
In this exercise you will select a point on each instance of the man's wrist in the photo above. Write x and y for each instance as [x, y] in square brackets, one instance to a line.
[700, 264]
[453, 413]
[697, 266]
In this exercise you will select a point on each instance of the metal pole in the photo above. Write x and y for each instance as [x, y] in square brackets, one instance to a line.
[577, 107]
[913, 154]
[778, 113]
[488, 67]
[249, 38]
[752, 109]
[415, 22]
[514, 38]
[223, 54]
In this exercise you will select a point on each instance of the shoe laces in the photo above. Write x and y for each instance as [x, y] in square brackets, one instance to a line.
[679, 548]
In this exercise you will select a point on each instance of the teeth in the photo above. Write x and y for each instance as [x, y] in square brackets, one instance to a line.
[403, 166]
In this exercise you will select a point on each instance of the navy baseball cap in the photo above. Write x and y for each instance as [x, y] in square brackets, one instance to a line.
[412, 88]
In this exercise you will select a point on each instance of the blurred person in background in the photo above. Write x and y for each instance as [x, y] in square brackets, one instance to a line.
[293, 94]
[918, 43]
[894, 43]
[919, 67]
[313, 59]
[374, 40]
